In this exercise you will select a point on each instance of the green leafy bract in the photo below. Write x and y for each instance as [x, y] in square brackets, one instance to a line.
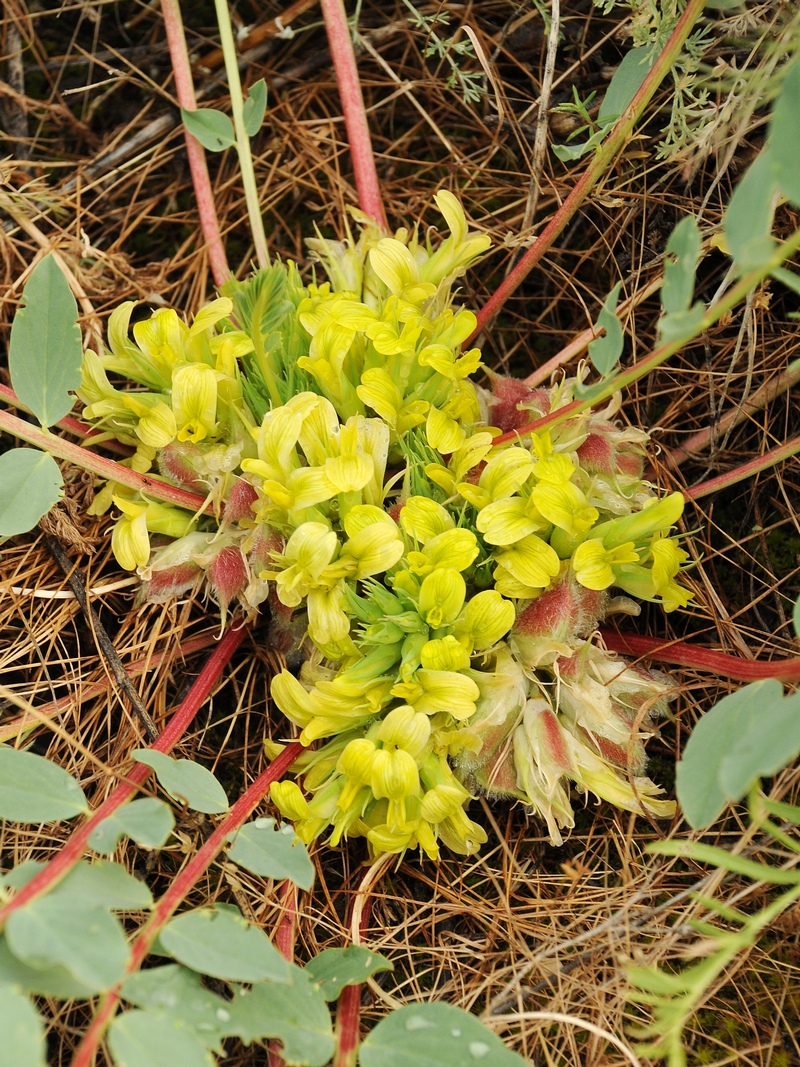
[434, 1035]
[750, 734]
[222, 944]
[142, 1039]
[45, 351]
[265, 849]
[296, 1013]
[213, 129]
[186, 781]
[335, 968]
[21, 1030]
[147, 821]
[30, 484]
[34, 790]
[72, 933]
[255, 107]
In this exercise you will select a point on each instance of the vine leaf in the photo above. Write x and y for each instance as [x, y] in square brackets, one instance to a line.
[434, 1035]
[296, 1013]
[147, 821]
[255, 107]
[186, 781]
[213, 129]
[76, 934]
[263, 848]
[21, 1030]
[30, 484]
[335, 968]
[34, 790]
[45, 351]
[142, 1039]
[749, 734]
[222, 944]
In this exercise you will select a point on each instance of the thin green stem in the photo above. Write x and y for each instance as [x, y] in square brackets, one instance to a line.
[661, 354]
[601, 161]
[242, 138]
[100, 465]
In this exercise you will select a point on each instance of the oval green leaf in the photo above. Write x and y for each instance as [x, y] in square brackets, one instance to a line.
[335, 968]
[296, 1014]
[142, 1039]
[21, 1030]
[213, 129]
[783, 144]
[178, 992]
[71, 933]
[33, 790]
[262, 848]
[622, 88]
[45, 351]
[748, 218]
[106, 884]
[434, 1035]
[147, 821]
[769, 740]
[223, 945]
[255, 107]
[186, 781]
[41, 982]
[30, 484]
[604, 352]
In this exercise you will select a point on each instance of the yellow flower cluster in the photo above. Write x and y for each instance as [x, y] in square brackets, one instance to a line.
[442, 586]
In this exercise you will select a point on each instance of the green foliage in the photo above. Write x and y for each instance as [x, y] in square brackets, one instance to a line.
[335, 968]
[264, 848]
[434, 1035]
[147, 821]
[21, 1030]
[625, 84]
[295, 1012]
[34, 790]
[604, 352]
[784, 143]
[45, 351]
[142, 1039]
[748, 218]
[213, 129]
[30, 484]
[186, 781]
[748, 735]
[255, 107]
[221, 943]
[680, 318]
[449, 50]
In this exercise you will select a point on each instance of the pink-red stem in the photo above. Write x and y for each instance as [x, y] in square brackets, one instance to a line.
[284, 943]
[69, 423]
[177, 892]
[73, 850]
[704, 659]
[355, 116]
[745, 470]
[184, 90]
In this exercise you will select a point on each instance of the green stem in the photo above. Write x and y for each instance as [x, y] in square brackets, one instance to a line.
[601, 161]
[105, 468]
[661, 354]
[242, 139]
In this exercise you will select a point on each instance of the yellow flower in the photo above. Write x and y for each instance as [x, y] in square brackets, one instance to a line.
[655, 519]
[194, 401]
[443, 359]
[455, 549]
[423, 519]
[405, 728]
[443, 433]
[398, 270]
[531, 561]
[444, 654]
[328, 623]
[594, 564]
[505, 522]
[565, 506]
[129, 540]
[351, 470]
[379, 392]
[307, 553]
[502, 476]
[445, 691]
[486, 618]
[441, 597]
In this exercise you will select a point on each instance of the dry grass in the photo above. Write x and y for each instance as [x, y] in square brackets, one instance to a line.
[524, 928]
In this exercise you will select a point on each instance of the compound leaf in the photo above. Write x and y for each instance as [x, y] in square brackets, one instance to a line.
[30, 484]
[255, 107]
[186, 781]
[434, 1035]
[265, 849]
[45, 351]
[106, 884]
[41, 981]
[143, 1039]
[213, 129]
[769, 740]
[178, 992]
[222, 944]
[335, 968]
[147, 821]
[748, 218]
[33, 790]
[21, 1030]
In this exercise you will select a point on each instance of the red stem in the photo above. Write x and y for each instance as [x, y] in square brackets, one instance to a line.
[601, 161]
[284, 943]
[74, 848]
[204, 195]
[744, 471]
[69, 423]
[100, 465]
[688, 655]
[178, 891]
[355, 115]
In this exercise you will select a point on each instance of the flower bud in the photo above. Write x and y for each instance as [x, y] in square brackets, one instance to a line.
[556, 622]
[406, 728]
[227, 575]
[239, 502]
